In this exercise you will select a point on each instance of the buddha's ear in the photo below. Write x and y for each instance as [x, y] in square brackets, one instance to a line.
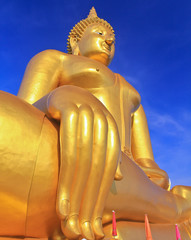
[74, 45]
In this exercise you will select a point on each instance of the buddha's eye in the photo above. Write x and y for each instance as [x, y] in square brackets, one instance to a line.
[100, 33]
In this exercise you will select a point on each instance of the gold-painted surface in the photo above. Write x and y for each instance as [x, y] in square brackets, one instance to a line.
[41, 217]
[19, 139]
[58, 162]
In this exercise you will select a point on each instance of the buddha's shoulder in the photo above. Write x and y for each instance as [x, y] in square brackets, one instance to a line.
[129, 90]
[49, 54]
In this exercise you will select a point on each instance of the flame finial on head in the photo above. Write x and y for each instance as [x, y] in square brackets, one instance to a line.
[92, 13]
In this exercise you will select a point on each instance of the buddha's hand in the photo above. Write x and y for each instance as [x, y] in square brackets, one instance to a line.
[154, 172]
[90, 152]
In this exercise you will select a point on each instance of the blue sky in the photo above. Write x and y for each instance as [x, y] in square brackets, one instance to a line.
[153, 53]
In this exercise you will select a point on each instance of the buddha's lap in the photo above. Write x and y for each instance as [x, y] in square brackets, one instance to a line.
[29, 158]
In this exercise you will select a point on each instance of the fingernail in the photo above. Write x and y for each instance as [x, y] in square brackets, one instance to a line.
[87, 231]
[71, 227]
[97, 226]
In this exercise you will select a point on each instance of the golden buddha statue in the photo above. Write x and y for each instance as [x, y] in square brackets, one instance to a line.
[75, 145]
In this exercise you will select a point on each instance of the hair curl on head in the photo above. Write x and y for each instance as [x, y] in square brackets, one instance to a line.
[78, 30]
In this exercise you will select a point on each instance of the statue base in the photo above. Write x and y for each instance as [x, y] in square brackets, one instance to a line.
[132, 231]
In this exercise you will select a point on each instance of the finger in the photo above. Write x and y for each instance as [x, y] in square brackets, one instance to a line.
[83, 164]
[112, 159]
[68, 141]
[118, 174]
[96, 173]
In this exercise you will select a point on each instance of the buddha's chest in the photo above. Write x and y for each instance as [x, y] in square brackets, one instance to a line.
[87, 73]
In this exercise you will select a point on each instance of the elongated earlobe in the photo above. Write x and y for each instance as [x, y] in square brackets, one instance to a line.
[74, 45]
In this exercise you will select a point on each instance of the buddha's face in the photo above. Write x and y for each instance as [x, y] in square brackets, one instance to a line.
[97, 43]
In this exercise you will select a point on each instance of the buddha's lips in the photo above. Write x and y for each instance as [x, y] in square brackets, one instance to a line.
[106, 46]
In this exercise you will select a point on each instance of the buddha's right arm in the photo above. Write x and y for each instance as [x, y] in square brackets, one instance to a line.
[142, 149]
[41, 75]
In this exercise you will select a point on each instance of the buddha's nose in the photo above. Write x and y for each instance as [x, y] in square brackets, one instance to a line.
[109, 41]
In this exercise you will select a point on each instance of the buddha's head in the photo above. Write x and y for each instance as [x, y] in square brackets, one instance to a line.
[93, 38]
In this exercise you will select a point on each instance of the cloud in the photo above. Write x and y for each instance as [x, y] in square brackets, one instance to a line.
[165, 122]
[171, 142]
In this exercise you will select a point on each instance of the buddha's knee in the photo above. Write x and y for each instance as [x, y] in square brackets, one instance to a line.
[183, 191]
